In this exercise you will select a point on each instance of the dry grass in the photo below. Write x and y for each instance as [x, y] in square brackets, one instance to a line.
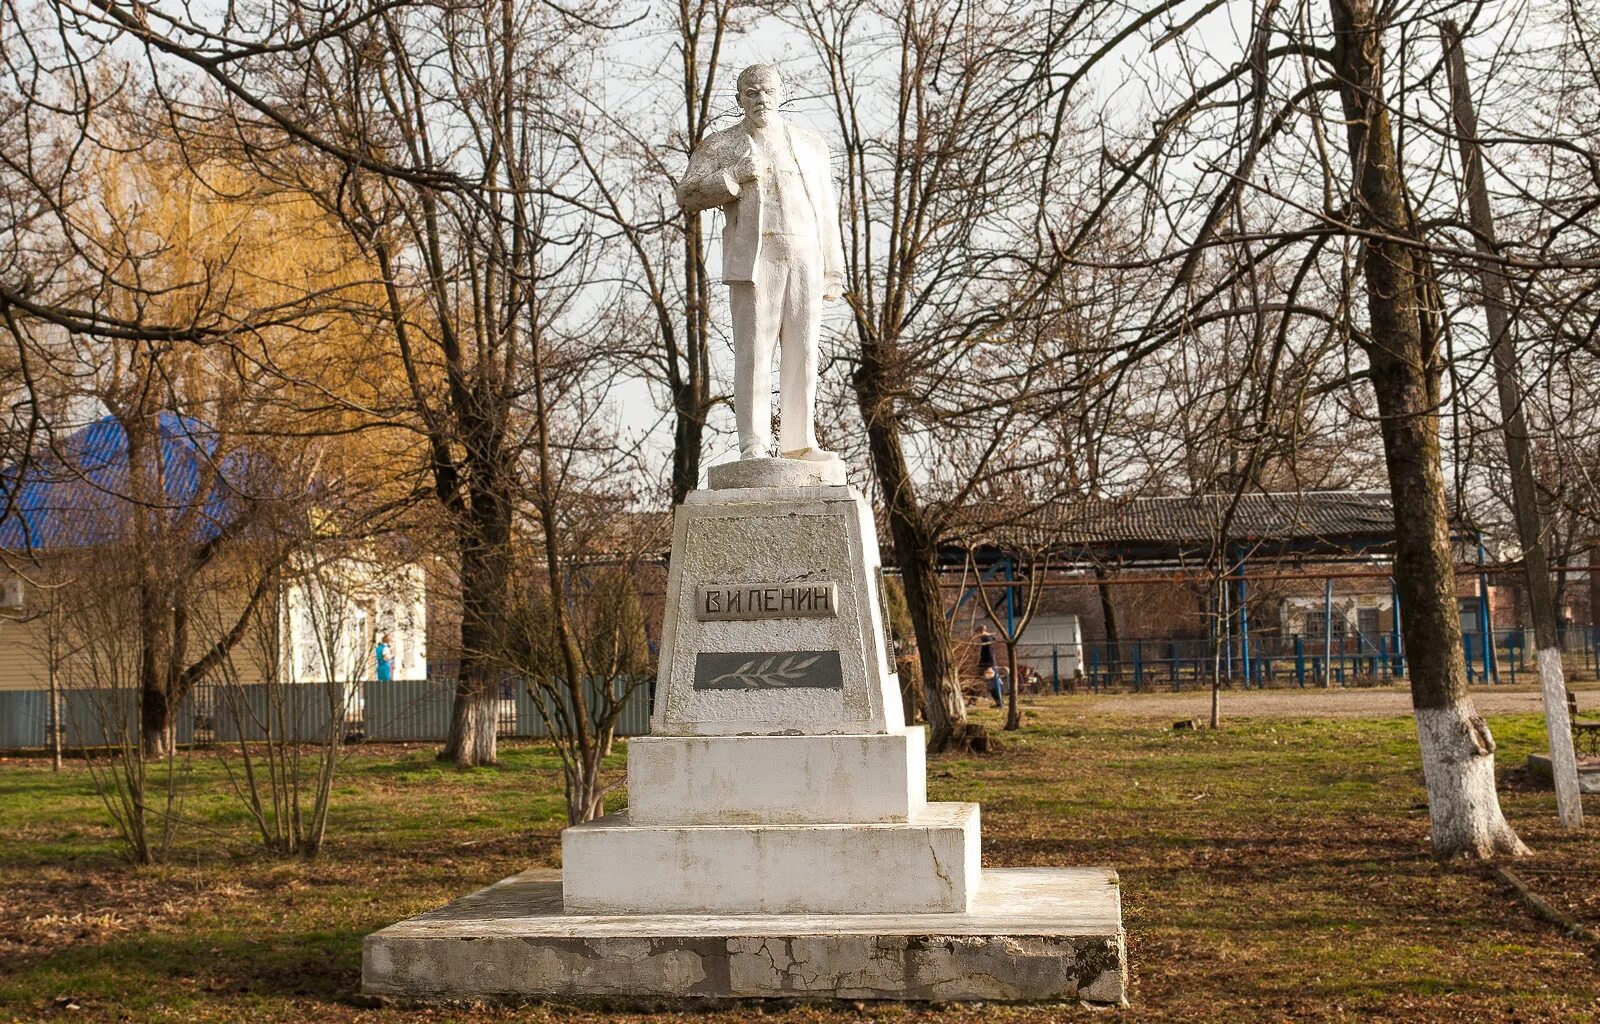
[1275, 871]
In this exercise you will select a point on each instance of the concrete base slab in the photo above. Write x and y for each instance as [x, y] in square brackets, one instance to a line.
[927, 864]
[1031, 934]
[1588, 772]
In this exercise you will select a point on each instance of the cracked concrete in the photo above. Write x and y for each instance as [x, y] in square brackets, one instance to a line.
[1032, 934]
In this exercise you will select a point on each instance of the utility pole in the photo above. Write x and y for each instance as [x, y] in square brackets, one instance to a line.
[1524, 495]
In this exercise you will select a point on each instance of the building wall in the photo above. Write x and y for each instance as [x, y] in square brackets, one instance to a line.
[96, 656]
[1154, 604]
[95, 631]
[332, 623]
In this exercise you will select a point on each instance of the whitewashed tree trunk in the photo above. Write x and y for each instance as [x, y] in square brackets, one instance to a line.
[1519, 444]
[1458, 768]
[1406, 371]
[1558, 728]
[472, 740]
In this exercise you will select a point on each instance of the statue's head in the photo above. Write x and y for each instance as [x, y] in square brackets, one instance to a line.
[760, 93]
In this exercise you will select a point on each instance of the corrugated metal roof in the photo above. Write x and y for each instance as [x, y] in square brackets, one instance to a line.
[1308, 522]
[1317, 515]
[76, 492]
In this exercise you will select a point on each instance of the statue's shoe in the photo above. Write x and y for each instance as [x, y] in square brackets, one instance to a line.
[812, 454]
[754, 452]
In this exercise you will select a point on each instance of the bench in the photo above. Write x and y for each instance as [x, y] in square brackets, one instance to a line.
[1585, 732]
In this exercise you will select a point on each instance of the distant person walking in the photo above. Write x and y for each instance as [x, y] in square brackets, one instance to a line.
[995, 685]
[384, 654]
[987, 669]
[985, 649]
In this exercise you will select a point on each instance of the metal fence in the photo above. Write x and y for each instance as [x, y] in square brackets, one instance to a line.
[410, 710]
[1351, 659]
[89, 718]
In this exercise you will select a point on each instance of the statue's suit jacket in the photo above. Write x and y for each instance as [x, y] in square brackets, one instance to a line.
[709, 183]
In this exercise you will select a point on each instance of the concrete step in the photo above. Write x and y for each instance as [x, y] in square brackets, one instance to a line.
[777, 780]
[928, 864]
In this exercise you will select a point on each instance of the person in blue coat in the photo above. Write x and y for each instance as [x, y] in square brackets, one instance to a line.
[384, 654]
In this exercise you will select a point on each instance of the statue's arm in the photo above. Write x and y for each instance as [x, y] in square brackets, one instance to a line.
[707, 183]
[832, 243]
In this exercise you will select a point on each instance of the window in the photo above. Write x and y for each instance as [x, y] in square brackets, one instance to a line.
[1315, 620]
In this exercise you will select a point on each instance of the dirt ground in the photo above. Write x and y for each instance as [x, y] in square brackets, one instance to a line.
[1277, 870]
[1366, 702]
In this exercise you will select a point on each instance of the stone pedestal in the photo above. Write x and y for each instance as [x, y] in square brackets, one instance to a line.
[778, 839]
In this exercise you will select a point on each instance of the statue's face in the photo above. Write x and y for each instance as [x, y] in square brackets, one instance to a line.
[760, 98]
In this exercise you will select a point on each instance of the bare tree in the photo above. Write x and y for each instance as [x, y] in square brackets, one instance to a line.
[661, 249]
[427, 129]
[1011, 603]
[948, 271]
[1525, 503]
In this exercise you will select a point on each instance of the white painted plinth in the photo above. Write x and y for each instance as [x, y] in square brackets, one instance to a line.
[777, 780]
[766, 536]
[746, 473]
[927, 865]
[1031, 934]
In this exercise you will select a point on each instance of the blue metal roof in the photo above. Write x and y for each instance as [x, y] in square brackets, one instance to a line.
[75, 492]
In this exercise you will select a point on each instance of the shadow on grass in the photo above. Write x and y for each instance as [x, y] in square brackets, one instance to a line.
[138, 972]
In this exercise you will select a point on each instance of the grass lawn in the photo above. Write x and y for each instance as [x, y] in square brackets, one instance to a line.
[1275, 871]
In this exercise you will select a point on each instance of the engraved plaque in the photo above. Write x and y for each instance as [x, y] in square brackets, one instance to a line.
[768, 670]
[719, 601]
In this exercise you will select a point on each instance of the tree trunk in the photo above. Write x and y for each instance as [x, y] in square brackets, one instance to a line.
[585, 788]
[485, 575]
[1013, 716]
[155, 728]
[943, 706]
[1519, 447]
[153, 558]
[155, 670]
[1457, 749]
[916, 551]
[690, 381]
[690, 391]
[473, 719]
[1594, 585]
[1216, 658]
[1108, 614]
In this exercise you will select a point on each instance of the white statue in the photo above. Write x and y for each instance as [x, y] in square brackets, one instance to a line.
[781, 259]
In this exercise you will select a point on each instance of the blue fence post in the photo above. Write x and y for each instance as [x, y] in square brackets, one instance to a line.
[1055, 668]
[1514, 652]
[1397, 641]
[1466, 651]
[1244, 625]
[1300, 660]
[1485, 618]
[1138, 664]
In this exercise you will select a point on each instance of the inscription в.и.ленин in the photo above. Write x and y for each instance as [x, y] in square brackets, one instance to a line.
[714, 601]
